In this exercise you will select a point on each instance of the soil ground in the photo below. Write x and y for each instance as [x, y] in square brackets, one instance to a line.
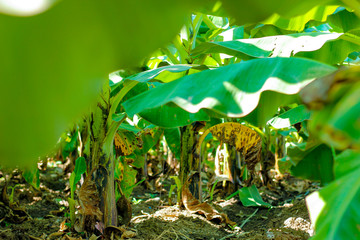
[43, 213]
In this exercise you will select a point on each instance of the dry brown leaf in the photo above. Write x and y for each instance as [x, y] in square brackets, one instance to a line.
[121, 232]
[4, 196]
[34, 238]
[11, 212]
[128, 234]
[63, 226]
[112, 232]
[57, 212]
[124, 209]
[71, 238]
[55, 235]
[79, 225]
[17, 215]
[93, 237]
[194, 206]
[111, 229]
[89, 199]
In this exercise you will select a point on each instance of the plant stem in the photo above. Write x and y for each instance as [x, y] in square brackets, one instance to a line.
[196, 26]
[208, 22]
[172, 58]
[247, 219]
[181, 49]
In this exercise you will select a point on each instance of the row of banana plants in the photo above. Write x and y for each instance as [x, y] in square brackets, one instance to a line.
[216, 70]
[231, 60]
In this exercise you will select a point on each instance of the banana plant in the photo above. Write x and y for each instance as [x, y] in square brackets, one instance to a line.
[223, 86]
[101, 125]
[107, 138]
[253, 89]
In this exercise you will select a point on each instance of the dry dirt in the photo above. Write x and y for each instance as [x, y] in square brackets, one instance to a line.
[153, 217]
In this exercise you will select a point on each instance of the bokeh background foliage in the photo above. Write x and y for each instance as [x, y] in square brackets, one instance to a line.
[53, 64]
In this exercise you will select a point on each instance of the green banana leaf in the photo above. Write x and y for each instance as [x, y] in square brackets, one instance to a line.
[162, 74]
[164, 116]
[317, 165]
[170, 116]
[334, 210]
[336, 51]
[344, 21]
[318, 13]
[297, 151]
[275, 46]
[268, 30]
[346, 162]
[267, 107]
[80, 168]
[120, 78]
[128, 127]
[70, 146]
[128, 176]
[250, 197]
[257, 10]
[288, 118]
[244, 49]
[32, 176]
[172, 137]
[232, 90]
[148, 141]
